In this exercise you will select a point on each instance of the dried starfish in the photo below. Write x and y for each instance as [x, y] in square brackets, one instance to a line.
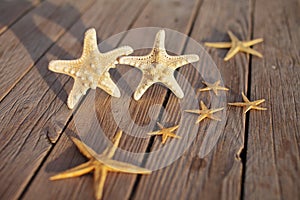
[100, 164]
[236, 45]
[205, 112]
[249, 104]
[158, 66]
[165, 132]
[91, 69]
[213, 86]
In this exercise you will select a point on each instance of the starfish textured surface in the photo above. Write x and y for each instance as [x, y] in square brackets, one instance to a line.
[158, 66]
[214, 87]
[91, 69]
[236, 45]
[165, 132]
[205, 113]
[249, 104]
[100, 165]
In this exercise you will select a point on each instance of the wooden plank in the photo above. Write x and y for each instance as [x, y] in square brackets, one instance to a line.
[23, 112]
[218, 174]
[11, 11]
[117, 185]
[28, 39]
[273, 162]
[37, 97]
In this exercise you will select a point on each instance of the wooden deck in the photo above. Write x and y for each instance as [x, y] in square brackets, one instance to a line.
[257, 155]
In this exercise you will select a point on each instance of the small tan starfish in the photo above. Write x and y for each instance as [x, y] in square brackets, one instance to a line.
[236, 45]
[249, 104]
[100, 164]
[213, 86]
[91, 69]
[165, 132]
[205, 113]
[158, 66]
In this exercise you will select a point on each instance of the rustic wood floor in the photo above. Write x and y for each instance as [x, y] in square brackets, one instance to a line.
[256, 157]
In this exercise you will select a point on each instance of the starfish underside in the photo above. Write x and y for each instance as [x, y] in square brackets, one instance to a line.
[158, 67]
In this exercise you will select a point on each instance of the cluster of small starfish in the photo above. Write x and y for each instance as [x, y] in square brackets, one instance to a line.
[91, 70]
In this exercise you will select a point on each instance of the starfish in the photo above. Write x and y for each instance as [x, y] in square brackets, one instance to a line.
[213, 86]
[158, 66]
[100, 164]
[205, 113]
[236, 45]
[165, 132]
[91, 69]
[249, 104]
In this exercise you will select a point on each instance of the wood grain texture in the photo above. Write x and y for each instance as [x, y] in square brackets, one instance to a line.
[273, 162]
[219, 174]
[12, 11]
[30, 37]
[118, 186]
[33, 111]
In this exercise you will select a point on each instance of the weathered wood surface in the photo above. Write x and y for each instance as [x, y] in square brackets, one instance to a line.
[34, 114]
[116, 182]
[273, 148]
[11, 11]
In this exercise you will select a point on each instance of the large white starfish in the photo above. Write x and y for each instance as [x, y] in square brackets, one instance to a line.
[91, 69]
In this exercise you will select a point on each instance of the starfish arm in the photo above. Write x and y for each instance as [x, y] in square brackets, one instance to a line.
[116, 53]
[215, 90]
[218, 44]
[171, 129]
[79, 89]
[142, 88]
[222, 88]
[164, 139]
[217, 110]
[172, 84]
[193, 111]
[204, 89]
[84, 149]
[238, 104]
[106, 84]
[200, 118]
[110, 152]
[160, 125]
[155, 133]
[174, 136]
[213, 117]
[136, 61]
[100, 175]
[258, 108]
[203, 106]
[245, 98]
[231, 53]
[232, 36]
[247, 109]
[159, 41]
[76, 171]
[64, 66]
[118, 166]
[252, 42]
[251, 51]
[258, 101]
[90, 42]
[178, 61]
